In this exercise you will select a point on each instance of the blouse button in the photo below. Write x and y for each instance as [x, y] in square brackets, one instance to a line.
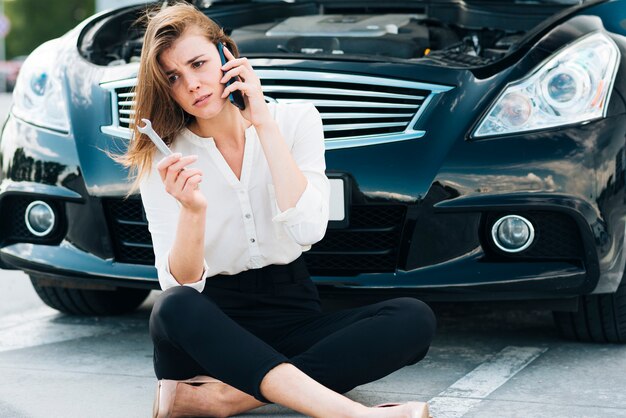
[252, 240]
[247, 216]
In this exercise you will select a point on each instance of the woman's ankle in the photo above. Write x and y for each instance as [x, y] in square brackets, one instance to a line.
[359, 411]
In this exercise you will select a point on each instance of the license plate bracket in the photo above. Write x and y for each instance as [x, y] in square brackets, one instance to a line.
[340, 199]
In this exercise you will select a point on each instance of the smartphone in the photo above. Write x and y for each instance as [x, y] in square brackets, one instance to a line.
[235, 97]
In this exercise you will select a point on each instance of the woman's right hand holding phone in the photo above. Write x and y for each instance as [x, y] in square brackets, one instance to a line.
[182, 182]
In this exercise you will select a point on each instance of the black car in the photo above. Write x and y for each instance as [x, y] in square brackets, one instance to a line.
[475, 150]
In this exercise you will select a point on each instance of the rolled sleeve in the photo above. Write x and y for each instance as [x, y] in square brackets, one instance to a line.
[306, 223]
[167, 280]
[306, 208]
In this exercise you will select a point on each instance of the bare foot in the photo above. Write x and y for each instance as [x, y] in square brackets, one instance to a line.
[214, 399]
[199, 400]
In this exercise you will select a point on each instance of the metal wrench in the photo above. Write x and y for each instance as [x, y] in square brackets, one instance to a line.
[154, 137]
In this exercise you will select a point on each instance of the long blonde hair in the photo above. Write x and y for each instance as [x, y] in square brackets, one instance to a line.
[152, 93]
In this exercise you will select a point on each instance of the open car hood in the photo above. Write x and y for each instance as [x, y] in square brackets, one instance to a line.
[208, 3]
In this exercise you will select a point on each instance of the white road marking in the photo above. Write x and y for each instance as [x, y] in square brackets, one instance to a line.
[471, 389]
[445, 407]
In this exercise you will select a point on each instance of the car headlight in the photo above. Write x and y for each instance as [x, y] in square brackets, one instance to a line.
[38, 94]
[572, 86]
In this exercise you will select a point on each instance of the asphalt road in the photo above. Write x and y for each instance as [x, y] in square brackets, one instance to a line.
[487, 360]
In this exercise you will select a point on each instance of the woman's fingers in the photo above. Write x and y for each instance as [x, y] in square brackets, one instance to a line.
[229, 55]
[179, 186]
[176, 158]
[170, 167]
[237, 85]
[180, 181]
[232, 73]
[232, 61]
[175, 174]
[182, 163]
[185, 175]
[189, 183]
[167, 161]
[193, 182]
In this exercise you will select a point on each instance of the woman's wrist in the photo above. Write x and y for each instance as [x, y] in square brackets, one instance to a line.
[269, 125]
[265, 124]
[194, 211]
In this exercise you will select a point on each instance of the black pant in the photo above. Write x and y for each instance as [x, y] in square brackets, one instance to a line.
[243, 325]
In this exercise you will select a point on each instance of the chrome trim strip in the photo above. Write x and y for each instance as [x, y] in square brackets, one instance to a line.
[112, 85]
[338, 92]
[116, 131]
[424, 105]
[321, 76]
[348, 126]
[348, 78]
[364, 140]
[365, 115]
[330, 144]
[351, 104]
[114, 109]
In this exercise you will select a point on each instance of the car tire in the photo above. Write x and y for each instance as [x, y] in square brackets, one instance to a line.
[87, 301]
[600, 318]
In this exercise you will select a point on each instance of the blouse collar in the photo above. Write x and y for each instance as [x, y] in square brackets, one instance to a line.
[206, 141]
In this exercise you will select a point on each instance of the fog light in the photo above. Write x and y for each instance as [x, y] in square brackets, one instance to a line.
[39, 218]
[513, 233]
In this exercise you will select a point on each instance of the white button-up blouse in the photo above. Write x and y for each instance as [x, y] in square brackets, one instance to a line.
[245, 229]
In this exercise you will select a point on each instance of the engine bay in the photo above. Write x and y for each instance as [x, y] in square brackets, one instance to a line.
[405, 35]
[395, 36]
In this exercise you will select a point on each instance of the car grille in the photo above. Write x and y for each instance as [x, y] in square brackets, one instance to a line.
[369, 245]
[356, 110]
[352, 106]
[125, 102]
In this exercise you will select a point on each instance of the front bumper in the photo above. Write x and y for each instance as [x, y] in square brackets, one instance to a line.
[530, 280]
[428, 235]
